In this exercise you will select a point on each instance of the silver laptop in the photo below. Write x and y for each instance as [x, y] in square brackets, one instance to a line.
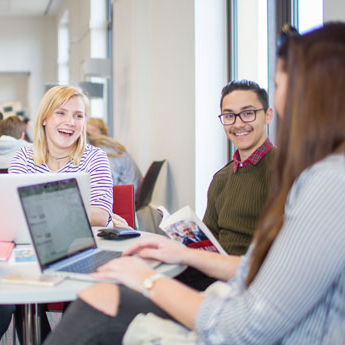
[60, 229]
[13, 225]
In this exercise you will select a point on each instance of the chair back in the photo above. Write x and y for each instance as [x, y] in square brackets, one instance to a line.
[123, 202]
[148, 183]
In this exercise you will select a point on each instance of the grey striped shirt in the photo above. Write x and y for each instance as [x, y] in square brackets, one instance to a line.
[298, 296]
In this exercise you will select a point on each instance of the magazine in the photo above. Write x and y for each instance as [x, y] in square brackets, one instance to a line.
[185, 226]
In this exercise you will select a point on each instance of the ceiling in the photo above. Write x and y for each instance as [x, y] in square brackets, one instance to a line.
[27, 7]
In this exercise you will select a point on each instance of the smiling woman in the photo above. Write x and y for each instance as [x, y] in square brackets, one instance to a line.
[60, 145]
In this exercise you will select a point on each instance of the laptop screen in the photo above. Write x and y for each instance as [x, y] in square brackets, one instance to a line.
[57, 220]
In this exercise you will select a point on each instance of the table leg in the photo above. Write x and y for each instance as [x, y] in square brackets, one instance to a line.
[37, 325]
[31, 327]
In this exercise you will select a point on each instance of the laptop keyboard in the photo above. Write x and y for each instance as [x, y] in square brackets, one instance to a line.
[90, 263]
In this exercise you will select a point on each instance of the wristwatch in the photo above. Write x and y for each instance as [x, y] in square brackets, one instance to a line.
[149, 282]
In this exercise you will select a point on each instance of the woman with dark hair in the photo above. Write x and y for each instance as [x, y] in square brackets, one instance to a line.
[290, 286]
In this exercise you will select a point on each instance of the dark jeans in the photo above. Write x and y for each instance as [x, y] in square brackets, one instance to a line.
[195, 279]
[6, 312]
[81, 324]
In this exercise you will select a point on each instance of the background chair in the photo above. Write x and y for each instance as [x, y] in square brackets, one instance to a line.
[147, 216]
[148, 184]
[123, 203]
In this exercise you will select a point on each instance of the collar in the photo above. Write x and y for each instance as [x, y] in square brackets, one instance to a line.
[254, 158]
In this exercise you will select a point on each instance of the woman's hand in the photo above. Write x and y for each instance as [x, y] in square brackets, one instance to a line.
[159, 248]
[130, 271]
[119, 222]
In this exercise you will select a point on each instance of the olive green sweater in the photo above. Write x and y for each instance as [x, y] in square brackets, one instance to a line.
[235, 201]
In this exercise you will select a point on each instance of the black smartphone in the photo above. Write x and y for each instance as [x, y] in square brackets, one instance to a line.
[117, 233]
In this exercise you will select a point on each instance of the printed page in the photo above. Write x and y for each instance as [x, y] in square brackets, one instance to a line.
[184, 226]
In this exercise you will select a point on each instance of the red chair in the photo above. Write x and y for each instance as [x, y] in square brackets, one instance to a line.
[123, 203]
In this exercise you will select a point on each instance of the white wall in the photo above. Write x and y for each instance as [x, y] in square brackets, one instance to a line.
[333, 10]
[165, 79]
[29, 45]
[14, 88]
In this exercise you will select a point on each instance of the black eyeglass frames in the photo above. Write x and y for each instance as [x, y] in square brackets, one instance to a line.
[246, 116]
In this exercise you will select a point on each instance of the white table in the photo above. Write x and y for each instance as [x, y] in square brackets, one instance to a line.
[31, 295]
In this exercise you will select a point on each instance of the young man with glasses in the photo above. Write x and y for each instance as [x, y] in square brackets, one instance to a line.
[238, 191]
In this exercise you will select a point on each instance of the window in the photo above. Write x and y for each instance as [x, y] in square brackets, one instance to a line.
[63, 50]
[249, 41]
[310, 15]
[98, 49]
[252, 41]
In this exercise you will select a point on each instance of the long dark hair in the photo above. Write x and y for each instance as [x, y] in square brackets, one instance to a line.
[313, 125]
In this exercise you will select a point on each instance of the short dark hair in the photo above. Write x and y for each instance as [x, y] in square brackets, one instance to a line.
[12, 126]
[1, 116]
[245, 85]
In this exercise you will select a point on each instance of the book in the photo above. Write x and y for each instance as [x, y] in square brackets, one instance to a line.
[5, 250]
[185, 226]
[32, 279]
[24, 254]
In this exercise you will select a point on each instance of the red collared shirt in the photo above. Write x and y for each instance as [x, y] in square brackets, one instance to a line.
[254, 158]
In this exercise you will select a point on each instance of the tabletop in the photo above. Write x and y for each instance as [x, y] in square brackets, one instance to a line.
[68, 289]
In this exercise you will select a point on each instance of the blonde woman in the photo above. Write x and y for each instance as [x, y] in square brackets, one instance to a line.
[60, 146]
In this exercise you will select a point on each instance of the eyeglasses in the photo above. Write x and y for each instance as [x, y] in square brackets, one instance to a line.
[246, 116]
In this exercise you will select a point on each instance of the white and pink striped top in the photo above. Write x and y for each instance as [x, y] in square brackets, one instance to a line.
[93, 161]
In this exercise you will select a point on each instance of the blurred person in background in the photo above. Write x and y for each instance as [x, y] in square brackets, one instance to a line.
[124, 170]
[12, 132]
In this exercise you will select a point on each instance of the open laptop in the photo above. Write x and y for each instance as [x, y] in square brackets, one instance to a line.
[13, 225]
[60, 229]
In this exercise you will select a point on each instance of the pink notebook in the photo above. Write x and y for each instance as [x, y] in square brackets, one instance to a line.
[5, 250]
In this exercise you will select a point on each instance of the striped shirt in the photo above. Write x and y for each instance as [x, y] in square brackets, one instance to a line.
[94, 161]
[298, 296]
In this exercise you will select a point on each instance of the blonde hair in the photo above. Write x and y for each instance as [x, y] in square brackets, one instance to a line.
[103, 140]
[100, 124]
[53, 99]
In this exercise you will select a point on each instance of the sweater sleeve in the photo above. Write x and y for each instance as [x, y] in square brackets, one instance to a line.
[211, 216]
[295, 283]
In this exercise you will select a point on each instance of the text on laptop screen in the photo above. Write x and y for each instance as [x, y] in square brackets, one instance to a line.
[50, 207]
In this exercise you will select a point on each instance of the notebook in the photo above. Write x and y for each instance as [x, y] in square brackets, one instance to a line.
[13, 225]
[60, 230]
[5, 250]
